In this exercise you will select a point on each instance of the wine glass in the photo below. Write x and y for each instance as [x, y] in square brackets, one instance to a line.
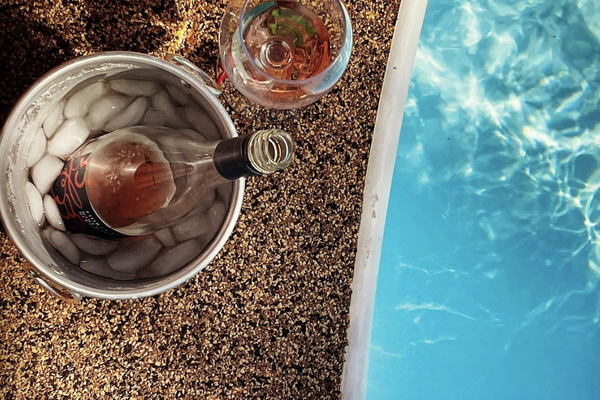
[282, 55]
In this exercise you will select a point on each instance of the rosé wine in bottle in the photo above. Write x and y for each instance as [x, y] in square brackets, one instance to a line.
[139, 180]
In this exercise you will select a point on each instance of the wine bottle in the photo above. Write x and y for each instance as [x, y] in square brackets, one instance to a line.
[138, 180]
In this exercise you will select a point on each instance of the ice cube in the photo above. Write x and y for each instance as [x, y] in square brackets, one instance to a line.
[178, 95]
[206, 201]
[154, 117]
[202, 123]
[224, 191]
[52, 213]
[134, 253]
[162, 101]
[175, 144]
[94, 245]
[129, 117]
[146, 74]
[192, 134]
[65, 246]
[191, 227]
[215, 216]
[165, 237]
[175, 258]
[54, 119]
[45, 172]
[47, 233]
[99, 266]
[34, 200]
[71, 134]
[134, 87]
[105, 109]
[78, 104]
[171, 144]
[37, 148]
[145, 273]
[177, 120]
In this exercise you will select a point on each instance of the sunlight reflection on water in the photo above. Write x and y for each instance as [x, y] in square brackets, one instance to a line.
[493, 228]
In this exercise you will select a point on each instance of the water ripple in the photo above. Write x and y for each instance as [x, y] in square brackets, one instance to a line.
[509, 131]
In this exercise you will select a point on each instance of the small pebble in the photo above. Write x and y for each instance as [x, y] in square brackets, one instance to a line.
[34, 200]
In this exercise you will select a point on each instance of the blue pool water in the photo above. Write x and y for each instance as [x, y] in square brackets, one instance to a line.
[488, 285]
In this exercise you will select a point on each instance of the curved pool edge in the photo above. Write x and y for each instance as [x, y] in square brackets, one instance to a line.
[376, 194]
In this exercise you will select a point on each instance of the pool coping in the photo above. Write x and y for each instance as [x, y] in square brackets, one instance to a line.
[378, 182]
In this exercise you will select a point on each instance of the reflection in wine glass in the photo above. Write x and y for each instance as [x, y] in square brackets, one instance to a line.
[283, 55]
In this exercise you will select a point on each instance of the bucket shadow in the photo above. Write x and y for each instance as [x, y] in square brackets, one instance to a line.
[28, 49]
[34, 41]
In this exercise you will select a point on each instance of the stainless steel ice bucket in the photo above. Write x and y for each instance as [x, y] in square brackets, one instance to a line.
[59, 277]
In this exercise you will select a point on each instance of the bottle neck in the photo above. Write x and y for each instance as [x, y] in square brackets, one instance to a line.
[263, 152]
[231, 158]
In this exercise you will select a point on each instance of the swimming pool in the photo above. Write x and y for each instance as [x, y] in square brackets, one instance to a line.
[488, 282]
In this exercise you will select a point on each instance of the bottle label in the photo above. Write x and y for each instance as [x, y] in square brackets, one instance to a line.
[69, 193]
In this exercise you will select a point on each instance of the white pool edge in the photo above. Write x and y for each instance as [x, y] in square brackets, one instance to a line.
[378, 182]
